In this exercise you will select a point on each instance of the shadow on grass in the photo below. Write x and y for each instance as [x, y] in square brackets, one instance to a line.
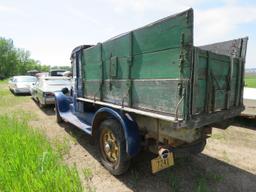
[47, 109]
[196, 173]
[20, 94]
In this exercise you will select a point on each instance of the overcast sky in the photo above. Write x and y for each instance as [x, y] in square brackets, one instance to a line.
[50, 29]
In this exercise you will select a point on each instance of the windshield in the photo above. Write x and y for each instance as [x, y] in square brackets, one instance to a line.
[25, 79]
[57, 81]
[57, 73]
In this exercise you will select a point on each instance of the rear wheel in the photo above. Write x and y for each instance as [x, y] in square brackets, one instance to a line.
[14, 92]
[40, 104]
[112, 147]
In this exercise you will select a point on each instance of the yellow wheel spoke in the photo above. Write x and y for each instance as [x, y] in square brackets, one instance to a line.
[105, 137]
[110, 146]
[112, 136]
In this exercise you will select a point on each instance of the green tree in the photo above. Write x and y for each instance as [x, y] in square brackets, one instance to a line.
[16, 61]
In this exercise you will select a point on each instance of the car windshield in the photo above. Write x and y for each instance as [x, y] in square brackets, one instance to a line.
[26, 79]
[57, 81]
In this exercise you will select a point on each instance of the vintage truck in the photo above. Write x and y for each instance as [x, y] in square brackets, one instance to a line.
[151, 88]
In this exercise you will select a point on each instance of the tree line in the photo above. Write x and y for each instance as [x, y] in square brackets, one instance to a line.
[16, 61]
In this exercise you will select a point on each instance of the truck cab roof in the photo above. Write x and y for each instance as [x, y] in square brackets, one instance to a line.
[78, 48]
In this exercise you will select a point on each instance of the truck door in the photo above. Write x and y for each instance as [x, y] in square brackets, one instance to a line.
[77, 80]
[77, 74]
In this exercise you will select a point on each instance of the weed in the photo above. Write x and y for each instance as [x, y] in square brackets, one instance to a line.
[29, 163]
[173, 181]
[215, 177]
[135, 176]
[202, 185]
[218, 136]
[225, 156]
[87, 173]
[73, 138]
[61, 145]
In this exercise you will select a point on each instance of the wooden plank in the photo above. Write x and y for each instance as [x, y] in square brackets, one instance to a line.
[158, 95]
[123, 61]
[207, 79]
[229, 79]
[132, 110]
[165, 33]
[92, 89]
[161, 64]
[146, 94]
[116, 92]
[130, 64]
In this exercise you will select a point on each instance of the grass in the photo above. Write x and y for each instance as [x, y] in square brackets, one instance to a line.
[204, 179]
[173, 181]
[218, 136]
[250, 81]
[29, 163]
[61, 145]
[202, 185]
[7, 98]
[4, 81]
[87, 173]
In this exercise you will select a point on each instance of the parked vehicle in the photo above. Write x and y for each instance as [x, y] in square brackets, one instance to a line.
[43, 90]
[32, 72]
[21, 84]
[42, 74]
[67, 74]
[249, 102]
[152, 87]
[57, 72]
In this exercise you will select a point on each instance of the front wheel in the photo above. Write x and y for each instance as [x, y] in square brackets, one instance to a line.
[112, 147]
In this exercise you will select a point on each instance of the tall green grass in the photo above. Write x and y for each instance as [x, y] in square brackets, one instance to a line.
[250, 81]
[29, 163]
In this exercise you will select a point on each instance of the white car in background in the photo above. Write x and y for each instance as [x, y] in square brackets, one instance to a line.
[43, 90]
[21, 84]
[249, 102]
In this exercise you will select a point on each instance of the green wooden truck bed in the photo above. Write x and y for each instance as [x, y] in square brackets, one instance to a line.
[157, 71]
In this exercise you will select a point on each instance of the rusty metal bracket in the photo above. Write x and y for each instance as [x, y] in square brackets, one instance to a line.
[182, 93]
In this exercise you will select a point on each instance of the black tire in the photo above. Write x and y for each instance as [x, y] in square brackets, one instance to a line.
[58, 117]
[40, 104]
[14, 93]
[123, 161]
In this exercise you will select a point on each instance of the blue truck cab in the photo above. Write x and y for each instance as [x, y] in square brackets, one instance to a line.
[89, 118]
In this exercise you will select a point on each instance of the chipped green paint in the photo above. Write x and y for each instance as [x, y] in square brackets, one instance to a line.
[157, 68]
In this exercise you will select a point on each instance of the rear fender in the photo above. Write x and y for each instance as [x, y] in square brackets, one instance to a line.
[130, 127]
[62, 102]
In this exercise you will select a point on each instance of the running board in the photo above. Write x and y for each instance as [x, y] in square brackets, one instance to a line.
[71, 118]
